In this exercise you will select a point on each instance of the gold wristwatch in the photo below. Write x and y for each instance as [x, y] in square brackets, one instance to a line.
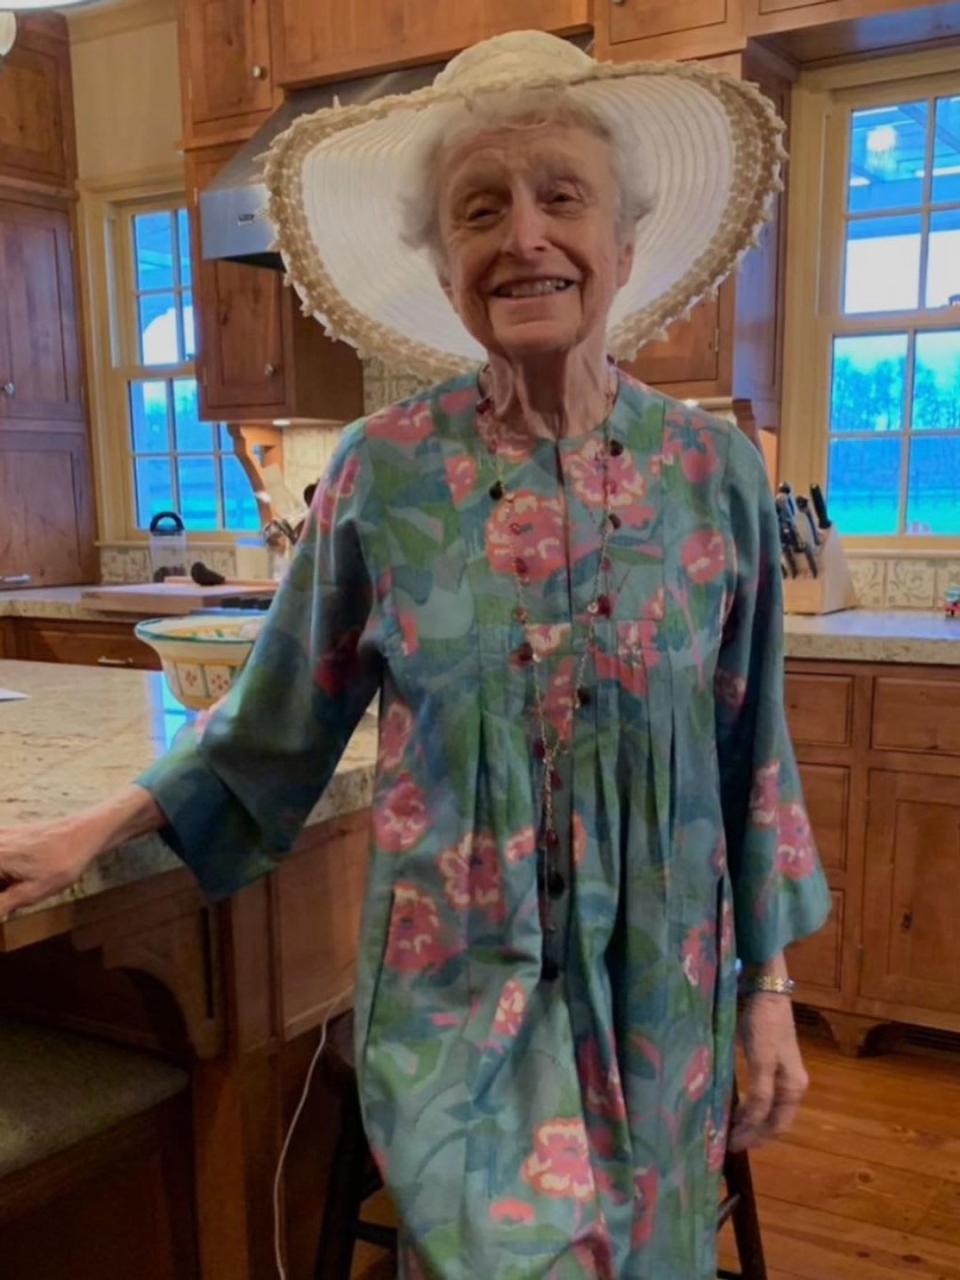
[767, 983]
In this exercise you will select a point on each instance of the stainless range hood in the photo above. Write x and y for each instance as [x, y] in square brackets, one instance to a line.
[233, 221]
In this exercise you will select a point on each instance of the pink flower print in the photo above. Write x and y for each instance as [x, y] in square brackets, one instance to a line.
[400, 816]
[645, 1187]
[410, 639]
[727, 929]
[729, 689]
[395, 730]
[471, 876]
[716, 1144]
[718, 859]
[511, 1213]
[697, 1075]
[627, 485]
[413, 939]
[511, 441]
[545, 638]
[689, 439]
[458, 401]
[540, 543]
[579, 839]
[401, 424]
[520, 846]
[703, 555]
[699, 964]
[765, 795]
[461, 477]
[796, 852]
[602, 1089]
[332, 490]
[593, 1250]
[559, 1165]
[339, 667]
[510, 1010]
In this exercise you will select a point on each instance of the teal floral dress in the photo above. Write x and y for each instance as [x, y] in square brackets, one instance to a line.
[525, 1127]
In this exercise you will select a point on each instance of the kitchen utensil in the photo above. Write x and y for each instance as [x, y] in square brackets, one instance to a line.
[820, 506]
[168, 545]
[803, 506]
[203, 654]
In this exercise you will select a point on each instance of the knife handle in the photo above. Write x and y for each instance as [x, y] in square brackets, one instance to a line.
[819, 506]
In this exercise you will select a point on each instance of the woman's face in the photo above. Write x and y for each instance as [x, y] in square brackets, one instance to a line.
[528, 222]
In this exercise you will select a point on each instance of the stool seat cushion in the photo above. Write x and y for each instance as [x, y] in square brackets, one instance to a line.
[58, 1088]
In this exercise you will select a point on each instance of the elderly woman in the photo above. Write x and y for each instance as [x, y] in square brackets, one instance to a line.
[565, 589]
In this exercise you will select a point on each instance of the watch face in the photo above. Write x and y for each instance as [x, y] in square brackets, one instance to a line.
[8, 33]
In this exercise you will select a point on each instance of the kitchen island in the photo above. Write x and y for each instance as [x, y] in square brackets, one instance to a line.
[236, 992]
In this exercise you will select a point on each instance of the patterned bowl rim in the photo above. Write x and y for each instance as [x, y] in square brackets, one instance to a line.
[151, 629]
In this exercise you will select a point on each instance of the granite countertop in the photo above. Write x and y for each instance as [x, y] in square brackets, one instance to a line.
[52, 602]
[875, 635]
[85, 732]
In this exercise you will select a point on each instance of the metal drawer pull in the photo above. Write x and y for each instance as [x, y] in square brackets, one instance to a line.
[258, 72]
[9, 389]
[269, 370]
[104, 661]
[16, 580]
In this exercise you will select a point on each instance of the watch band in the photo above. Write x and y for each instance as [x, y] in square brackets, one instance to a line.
[766, 983]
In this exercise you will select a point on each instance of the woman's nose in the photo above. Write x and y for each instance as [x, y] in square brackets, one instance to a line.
[525, 229]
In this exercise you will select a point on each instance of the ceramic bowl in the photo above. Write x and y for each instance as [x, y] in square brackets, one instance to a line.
[202, 654]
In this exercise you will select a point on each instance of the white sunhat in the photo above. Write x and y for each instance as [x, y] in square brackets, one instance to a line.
[709, 146]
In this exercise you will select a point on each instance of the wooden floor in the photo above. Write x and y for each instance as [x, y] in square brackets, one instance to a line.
[867, 1185]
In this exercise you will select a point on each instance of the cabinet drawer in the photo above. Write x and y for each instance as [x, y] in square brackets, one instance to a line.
[916, 715]
[817, 961]
[819, 709]
[88, 645]
[640, 19]
[825, 790]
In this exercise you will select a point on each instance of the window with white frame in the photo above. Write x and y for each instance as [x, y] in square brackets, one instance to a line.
[891, 309]
[176, 462]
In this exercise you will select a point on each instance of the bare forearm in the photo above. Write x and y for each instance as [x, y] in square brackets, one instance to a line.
[775, 967]
[132, 812]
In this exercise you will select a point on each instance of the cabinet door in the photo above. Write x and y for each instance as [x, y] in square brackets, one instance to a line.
[91, 644]
[36, 109]
[314, 41]
[225, 59]
[240, 339]
[39, 354]
[46, 527]
[911, 943]
[674, 28]
[694, 359]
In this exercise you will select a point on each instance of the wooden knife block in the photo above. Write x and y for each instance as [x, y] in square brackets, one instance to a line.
[832, 589]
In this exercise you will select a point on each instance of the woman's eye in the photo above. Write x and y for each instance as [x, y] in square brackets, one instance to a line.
[481, 213]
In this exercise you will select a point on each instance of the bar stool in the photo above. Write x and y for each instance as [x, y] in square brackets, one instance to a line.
[357, 1178]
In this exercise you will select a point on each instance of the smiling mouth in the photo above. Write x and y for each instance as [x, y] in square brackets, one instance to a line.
[533, 288]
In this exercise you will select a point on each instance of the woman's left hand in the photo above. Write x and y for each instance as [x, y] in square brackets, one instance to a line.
[776, 1078]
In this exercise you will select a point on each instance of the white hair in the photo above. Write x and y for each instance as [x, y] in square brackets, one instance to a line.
[520, 109]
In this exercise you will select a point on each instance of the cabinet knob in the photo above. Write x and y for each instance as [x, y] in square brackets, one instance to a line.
[9, 389]
[270, 370]
[258, 71]
[619, 1]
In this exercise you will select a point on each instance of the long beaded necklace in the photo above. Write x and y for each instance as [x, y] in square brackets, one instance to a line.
[552, 741]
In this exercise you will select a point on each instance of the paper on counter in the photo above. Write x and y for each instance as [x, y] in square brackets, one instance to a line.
[8, 695]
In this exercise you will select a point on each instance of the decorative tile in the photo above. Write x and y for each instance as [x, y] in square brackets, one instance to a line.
[382, 385]
[910, 584]
[869, 578]
[306, 455]
[948, 575]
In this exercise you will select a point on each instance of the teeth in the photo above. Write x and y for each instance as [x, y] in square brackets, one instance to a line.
[533, 288]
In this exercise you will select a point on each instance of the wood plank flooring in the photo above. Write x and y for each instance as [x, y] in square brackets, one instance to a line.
[867, 1184]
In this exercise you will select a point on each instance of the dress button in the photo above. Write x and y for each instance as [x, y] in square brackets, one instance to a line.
[496, 491]
[616, 448]
[583, 698]
[549, 969]
[556, 885]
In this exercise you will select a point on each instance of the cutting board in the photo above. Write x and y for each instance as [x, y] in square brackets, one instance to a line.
[175, 596]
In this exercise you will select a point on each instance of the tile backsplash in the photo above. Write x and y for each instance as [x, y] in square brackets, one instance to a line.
[902, 582]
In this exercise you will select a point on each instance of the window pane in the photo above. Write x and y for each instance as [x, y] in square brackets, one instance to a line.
[159, 342]
[864, 485]
[946, 150]
[153, 250]
[198, 492]
[883, 264]
[193, 436]
[867, 390]
[189, 339]
[239, 508]
[943, 259]
[936, 385]
[148, 417]
[154, 488]
[183, 231]
[933, 493]
[887, 153]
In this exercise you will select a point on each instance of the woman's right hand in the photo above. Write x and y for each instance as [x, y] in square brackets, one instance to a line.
[40, 859]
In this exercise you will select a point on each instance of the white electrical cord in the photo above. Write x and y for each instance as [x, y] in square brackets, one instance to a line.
[278, 1255]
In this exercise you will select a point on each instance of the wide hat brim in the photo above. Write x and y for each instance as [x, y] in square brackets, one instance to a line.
[708, 144]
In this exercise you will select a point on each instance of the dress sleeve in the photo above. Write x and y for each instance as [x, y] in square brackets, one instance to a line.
[780, 893]
[236, 799]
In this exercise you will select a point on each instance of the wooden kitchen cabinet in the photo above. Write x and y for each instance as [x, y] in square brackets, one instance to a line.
[39, 351]
[37, 142]
[313, 41]
[258, 356]
[633, 29]
[226, 80]
[86, 643]
[811, 30]
[46, 506]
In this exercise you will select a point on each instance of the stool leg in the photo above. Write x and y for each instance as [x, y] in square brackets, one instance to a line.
[746, 1223]
[345, 1195]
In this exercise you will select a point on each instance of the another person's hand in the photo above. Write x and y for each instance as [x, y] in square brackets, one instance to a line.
[40, 859]
[776, 1078]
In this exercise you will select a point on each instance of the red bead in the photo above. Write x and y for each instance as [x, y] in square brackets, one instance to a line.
[551, 839]
[605, 564]
[556, 782]
[516, 527]
[520, 614]
[583, 698]
[616, 448]
[496, 491]
[603, 606]
[539, 751]
[615, 520]
[525, 651]
[520, 565]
